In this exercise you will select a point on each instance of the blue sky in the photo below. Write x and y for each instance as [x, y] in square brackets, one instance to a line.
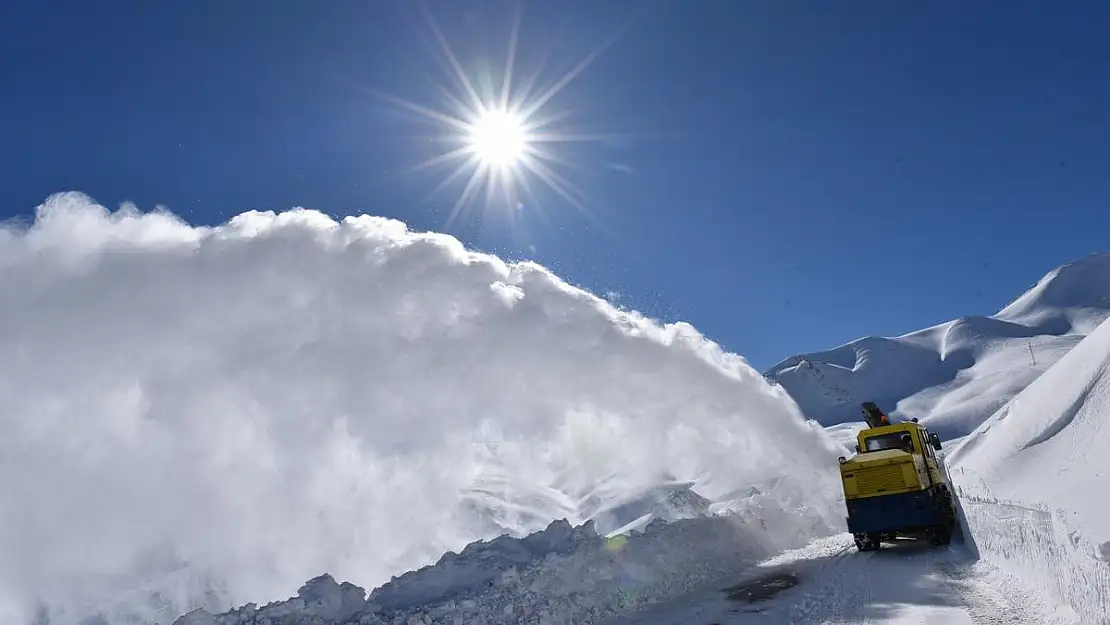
[786, 176]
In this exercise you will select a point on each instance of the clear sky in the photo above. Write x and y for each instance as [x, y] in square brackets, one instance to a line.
[787, 176]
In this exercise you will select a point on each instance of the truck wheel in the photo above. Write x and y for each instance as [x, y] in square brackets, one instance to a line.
[947, 509]
[867, 542]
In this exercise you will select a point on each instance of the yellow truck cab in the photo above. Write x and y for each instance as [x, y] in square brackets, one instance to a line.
[896, 486]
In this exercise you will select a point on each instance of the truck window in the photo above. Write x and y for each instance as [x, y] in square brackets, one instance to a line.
[884, 441]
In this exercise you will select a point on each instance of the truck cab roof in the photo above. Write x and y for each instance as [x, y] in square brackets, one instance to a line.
[892, 437]
[885, 437]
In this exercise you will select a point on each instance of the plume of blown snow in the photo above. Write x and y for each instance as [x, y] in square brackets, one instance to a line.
[285, 395]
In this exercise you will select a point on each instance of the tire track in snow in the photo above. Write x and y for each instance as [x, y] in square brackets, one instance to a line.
[830, 597]
[908, 583]
[986, 605]
[914, 583]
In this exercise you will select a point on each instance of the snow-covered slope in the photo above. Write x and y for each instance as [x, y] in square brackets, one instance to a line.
[210, 416]
[1034, 479]
[1049, 443]
[954, 375]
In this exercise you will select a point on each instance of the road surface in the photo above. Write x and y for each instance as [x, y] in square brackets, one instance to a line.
[829, 581]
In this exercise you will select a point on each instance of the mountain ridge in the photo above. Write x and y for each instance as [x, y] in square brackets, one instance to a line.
[939, 373]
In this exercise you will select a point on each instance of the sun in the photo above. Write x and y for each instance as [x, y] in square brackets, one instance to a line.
[498, 139]
[503, 138]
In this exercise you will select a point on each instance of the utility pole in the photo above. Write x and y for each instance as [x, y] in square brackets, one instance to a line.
[1031, 354]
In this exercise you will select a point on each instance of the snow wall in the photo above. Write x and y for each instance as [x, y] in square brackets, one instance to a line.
[1033, 480]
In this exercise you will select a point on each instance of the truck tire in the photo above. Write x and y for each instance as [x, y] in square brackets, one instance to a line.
[867, 542]
[947, 508]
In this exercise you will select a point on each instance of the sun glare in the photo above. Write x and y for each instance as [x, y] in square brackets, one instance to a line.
[498, 139]
[501, 137]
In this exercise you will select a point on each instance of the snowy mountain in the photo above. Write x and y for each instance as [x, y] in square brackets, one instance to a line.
[953, 375]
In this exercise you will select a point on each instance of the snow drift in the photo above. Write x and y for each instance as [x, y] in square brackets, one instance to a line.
[203, 417]
[954, 375]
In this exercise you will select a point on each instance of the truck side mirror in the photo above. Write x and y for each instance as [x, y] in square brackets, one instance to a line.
[857, 448]
[935, 441]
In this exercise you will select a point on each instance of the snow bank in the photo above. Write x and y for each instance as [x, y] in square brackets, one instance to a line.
[1041, 548]
[1048, 445]
[209, 416]
[1034, 478]
[954, 375]
[559, 576]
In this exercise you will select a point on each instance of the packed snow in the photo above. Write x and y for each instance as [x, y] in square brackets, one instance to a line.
[692, 572]
[954, 375]
[828, 581]
[204, 417]
[559, 576]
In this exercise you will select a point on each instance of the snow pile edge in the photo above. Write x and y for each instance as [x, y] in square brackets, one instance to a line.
[1037, 544]
[558, 576]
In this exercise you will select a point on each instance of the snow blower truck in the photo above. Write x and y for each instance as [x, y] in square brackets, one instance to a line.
[896, 486]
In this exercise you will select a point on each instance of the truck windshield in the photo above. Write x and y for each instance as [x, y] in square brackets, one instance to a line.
[884, 441]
